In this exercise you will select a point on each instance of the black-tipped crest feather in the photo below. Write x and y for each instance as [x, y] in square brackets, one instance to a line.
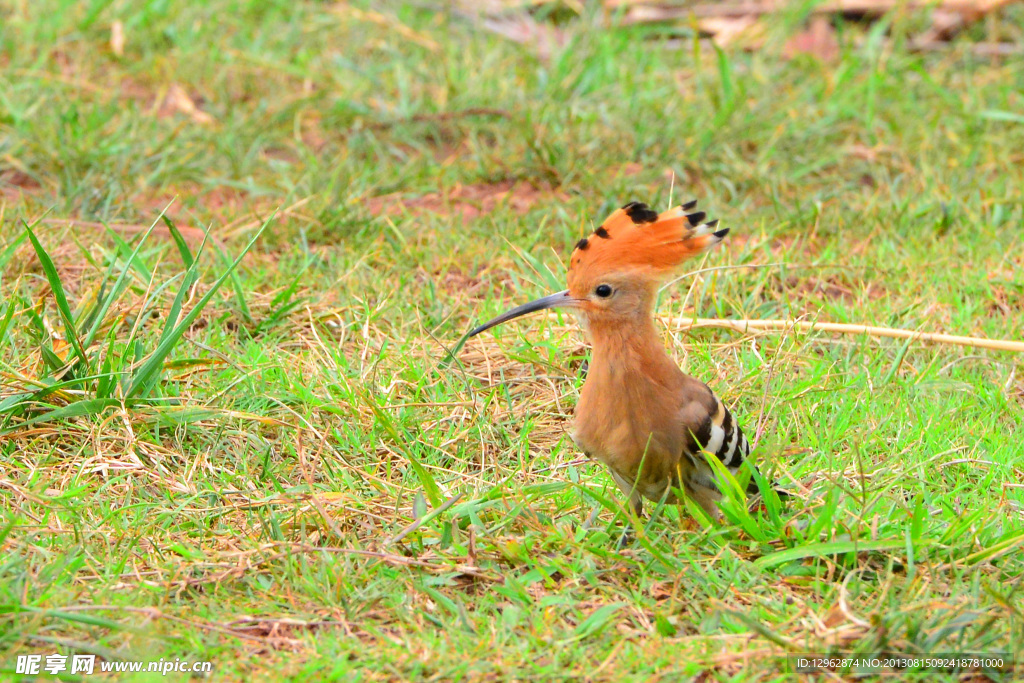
[639, 212]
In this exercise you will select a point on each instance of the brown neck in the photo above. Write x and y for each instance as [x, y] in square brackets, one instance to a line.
[628, 404]
[629, 353]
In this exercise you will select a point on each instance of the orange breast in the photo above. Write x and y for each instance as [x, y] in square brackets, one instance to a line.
[630, 422]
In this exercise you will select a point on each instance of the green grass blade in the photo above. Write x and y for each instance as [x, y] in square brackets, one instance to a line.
[834, 548]
[236, 285]
[92, 406]
[52, 360]
[6, 321]
[896, 363]
[734, 499]
[126, 251]
[283, 303]
[430, 487]
[151, 368]
[550, 280]
[76, 617]
[1000, 548]
[50, 271]
[174, 312]
[190, 278]
[45, 391]
[107, 380]
[826, 517]
[179, 241]
[8, 251]
[11, 403]
[115, 291]
[598, 620]
[725, 74]
[1000, 115]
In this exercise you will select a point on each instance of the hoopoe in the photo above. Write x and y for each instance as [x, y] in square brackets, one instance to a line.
[638, 413]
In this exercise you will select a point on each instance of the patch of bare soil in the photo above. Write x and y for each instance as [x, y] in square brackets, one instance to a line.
[780, 248]
[64, 63]
[469, 201]
[222, 204]
[741, 23]
[807, 292]
[312, 132]
[454, 281]
[131, 90]
[824, 288]
[225, 209]
[166, 101]
[831, 288]
[15, 183]
[818, 40]
[66, 256]
[475, 285]
[1007, 297]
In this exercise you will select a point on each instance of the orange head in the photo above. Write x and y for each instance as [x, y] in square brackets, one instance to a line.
[614, 273]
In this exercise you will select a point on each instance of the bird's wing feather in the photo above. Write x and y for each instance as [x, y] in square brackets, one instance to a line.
[711, 428]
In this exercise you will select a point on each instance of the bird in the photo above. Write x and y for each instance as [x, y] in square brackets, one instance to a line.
[638, 413]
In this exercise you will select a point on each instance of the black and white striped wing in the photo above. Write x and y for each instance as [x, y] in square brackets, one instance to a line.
[719, 433]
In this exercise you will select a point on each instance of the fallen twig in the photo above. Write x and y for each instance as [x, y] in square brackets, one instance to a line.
[646, 11]
[846, 328]
[441, 116]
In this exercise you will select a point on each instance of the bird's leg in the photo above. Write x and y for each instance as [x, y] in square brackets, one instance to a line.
[627, 537]
[706, 498]
[592, 517]
[629, 490]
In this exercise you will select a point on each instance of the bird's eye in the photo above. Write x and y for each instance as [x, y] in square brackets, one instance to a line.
[603, 291]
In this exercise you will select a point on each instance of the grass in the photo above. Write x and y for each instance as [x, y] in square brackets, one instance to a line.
[267, 466]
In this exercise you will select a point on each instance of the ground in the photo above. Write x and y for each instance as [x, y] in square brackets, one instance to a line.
[254, 451]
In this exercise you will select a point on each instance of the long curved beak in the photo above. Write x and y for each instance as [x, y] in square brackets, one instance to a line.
[559, 300]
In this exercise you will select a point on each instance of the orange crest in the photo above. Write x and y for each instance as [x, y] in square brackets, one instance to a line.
[638, 240]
